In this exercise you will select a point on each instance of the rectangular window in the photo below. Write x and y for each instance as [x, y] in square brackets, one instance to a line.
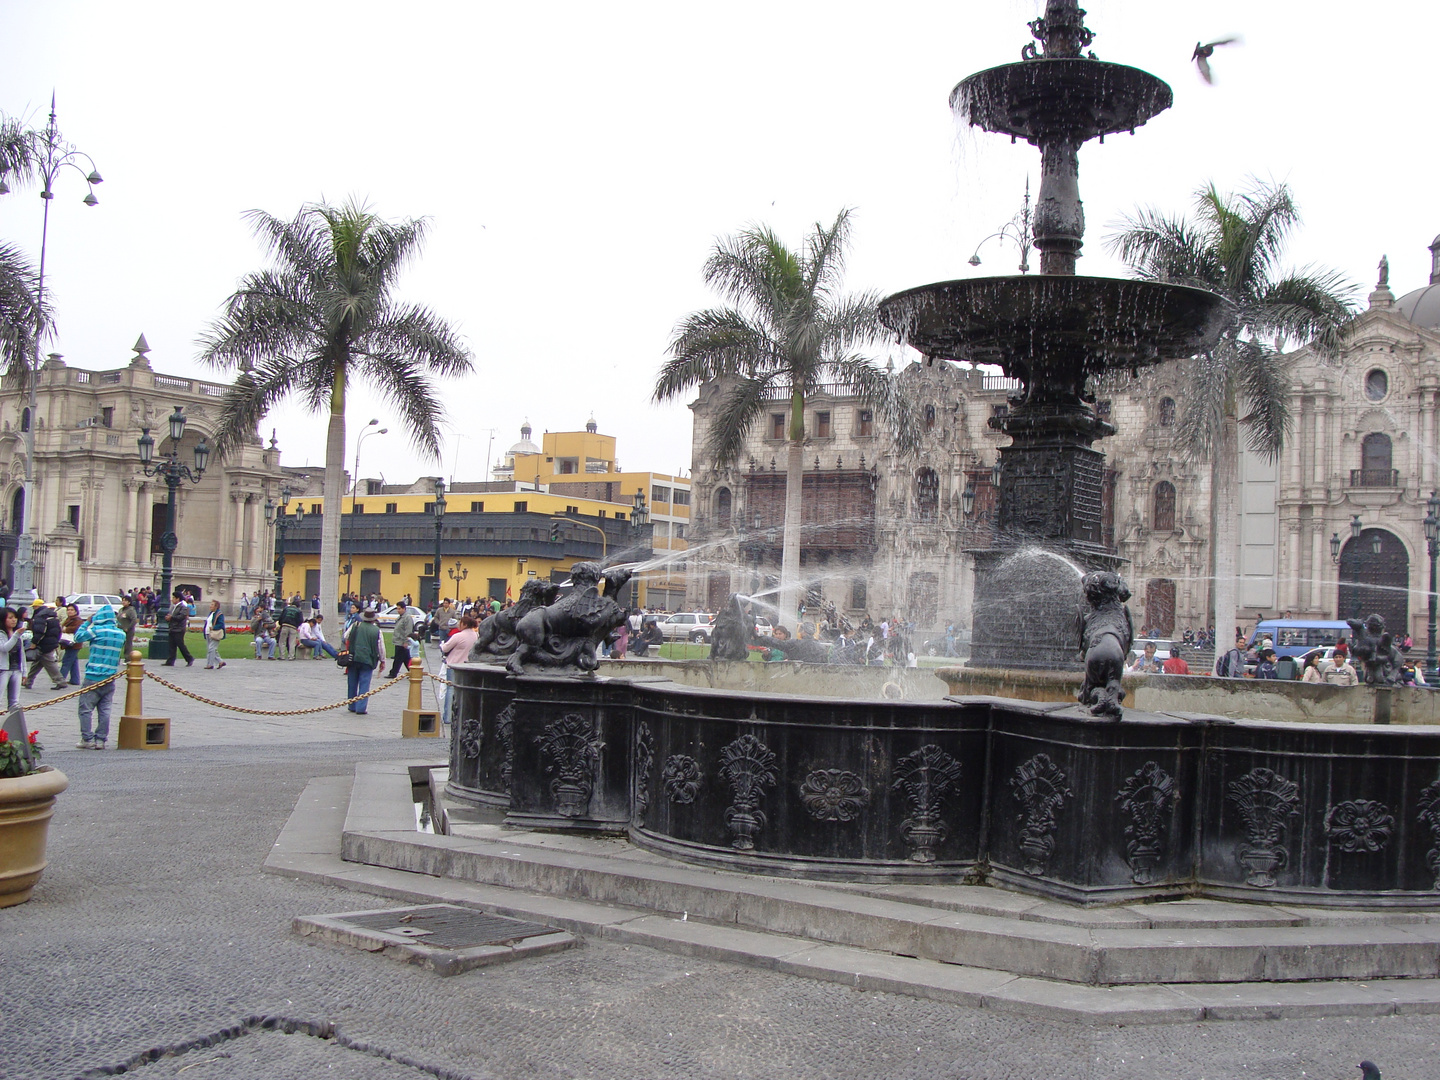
[429, 570]
[777, 425]
[822, 425]
[659, 494]
[857, 593]
[429, 508]
[679, 531]
[394, 568]
[618, 515]
[357, 508]
[107, 416]
[73, 512]
[680, 497]
[999, 412]
[521, 506]
[317, 508]
[602, 513]
[477, 507]
[572, 509]
[392, 508]
[865, 423]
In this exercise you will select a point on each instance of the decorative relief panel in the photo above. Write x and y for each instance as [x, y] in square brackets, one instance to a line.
[571, 749]
[681, 777]
[925, 777]
[1265, 800]
[1359, 825]
[1040, 788]
[1145, 797]
[833, 795]
[748, 766]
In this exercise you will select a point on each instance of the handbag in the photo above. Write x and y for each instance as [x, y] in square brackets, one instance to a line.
[343, 660]
[216, 634]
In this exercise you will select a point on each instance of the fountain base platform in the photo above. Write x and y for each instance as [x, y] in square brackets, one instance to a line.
[1042, 798]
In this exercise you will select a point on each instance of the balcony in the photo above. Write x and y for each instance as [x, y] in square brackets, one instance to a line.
[1374, 478]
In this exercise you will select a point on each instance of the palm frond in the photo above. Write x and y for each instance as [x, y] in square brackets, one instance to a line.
[1206, 378]
[712, 344]
[1263, 383]
[742, 402]
[17, 153]
[402, 380]
[881, 390]
[1310, 304]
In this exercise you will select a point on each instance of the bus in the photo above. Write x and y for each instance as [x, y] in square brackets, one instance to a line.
[1296, 637]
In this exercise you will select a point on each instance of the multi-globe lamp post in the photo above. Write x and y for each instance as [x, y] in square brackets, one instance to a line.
[277, 518]
[50, 155]
[173, 471]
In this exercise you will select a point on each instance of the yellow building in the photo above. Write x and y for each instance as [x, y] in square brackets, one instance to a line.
[549, 507]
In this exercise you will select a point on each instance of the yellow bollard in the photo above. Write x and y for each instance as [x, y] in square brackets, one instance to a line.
[415, 722]
[138, 731]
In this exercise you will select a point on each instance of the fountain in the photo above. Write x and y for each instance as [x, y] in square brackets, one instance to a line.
[1052, 332]
[1048, 798]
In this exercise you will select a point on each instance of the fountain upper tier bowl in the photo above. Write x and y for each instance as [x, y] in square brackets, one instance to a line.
[1043, 323]
[1036, 99]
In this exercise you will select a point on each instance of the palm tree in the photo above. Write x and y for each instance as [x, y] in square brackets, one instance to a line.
[322, 316]
[1232, 246]
[786, 330]
[19, 285]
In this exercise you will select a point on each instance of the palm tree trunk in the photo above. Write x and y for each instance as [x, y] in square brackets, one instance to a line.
[789, 601]
[334, 497]
[1224, 532]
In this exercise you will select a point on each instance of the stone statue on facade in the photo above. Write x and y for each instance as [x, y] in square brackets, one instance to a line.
[568, 632]
[733, 631]
[1384, 272]
[496, 639]
[1374, 647]
[1105, 636]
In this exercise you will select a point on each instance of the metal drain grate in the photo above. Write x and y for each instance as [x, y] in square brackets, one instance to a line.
[446, 938]
[450, 928]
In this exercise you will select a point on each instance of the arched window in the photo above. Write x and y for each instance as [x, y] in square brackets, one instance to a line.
[929, 417]
[927, 494]
[1163, 518]
[722, 507]
[1377, 384]
[1167, 412]
[25, 419]
[1375, 460]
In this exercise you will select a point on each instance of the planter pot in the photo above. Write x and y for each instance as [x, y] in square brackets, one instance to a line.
[26, 806]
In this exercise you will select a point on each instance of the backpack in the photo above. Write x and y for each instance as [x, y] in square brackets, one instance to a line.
[48, 636]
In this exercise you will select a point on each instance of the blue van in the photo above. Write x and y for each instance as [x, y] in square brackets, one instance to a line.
[1296, 637]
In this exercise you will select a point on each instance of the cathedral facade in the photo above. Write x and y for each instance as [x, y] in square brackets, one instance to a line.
[1332, 526]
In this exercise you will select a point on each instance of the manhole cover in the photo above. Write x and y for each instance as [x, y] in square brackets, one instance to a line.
[443, 937]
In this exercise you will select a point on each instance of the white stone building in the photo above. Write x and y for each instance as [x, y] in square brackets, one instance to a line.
[99, 517]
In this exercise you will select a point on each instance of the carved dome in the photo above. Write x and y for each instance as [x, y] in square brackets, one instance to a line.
[1422, 306]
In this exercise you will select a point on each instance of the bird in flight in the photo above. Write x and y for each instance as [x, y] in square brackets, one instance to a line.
[1202, 55]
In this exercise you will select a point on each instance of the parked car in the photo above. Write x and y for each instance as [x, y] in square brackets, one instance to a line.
[89, 603]
[387, 616]
[763, 627]
[688, 626]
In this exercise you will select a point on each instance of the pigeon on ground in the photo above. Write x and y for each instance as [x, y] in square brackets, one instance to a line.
[1202, 55]
[1369, 1071]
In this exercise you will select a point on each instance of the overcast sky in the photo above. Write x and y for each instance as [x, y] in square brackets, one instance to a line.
[577, 161]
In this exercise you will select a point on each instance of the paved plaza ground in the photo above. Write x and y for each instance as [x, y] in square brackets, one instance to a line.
[155, 928]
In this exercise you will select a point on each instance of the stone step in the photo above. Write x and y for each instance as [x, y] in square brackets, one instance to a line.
[379, 831]
[309, 848]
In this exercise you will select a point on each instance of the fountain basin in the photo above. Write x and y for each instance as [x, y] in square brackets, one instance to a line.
[1072, 98]
[1054, 326]
[1042, 798]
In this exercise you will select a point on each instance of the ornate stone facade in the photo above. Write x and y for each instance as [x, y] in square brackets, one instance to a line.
[100, 517]
[894, 534]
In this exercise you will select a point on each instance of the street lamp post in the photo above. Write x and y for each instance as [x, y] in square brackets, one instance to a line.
[282, 522]
[439, 520]
[1432, 542]
[457, 574]
[50, 154]
[347, 568]
[170, 468]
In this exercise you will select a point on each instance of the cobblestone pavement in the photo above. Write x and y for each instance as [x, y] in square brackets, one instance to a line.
[154, 927]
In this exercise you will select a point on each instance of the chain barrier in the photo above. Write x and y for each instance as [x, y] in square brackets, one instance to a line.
[74, 693]
[442, 682]
[263, 712]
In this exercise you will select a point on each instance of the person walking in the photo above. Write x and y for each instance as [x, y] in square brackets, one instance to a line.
[177, 622]
[214, 634]
[456, 650]
[400, 637]
[45, 635]
[244, 606]
[69, 647]
[12, 655]
[126, 619]
[106, 640]
[1232, 664]
[367, 652]
[290, 620]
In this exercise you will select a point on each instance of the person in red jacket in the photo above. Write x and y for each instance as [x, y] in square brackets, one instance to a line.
[1175, 665]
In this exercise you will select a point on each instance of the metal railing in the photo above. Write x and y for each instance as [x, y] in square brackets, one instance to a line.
[1374, 477]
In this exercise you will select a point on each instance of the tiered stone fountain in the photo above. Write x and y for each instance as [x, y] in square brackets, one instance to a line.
[1052, 332]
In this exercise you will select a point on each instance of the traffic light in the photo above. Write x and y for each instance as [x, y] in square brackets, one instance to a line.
[554, 530]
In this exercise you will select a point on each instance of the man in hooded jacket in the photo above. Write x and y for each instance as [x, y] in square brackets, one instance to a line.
[106, 642]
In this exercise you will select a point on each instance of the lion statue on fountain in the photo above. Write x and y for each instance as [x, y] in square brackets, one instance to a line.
[496, 640]
[1106, 633]
[567, 632]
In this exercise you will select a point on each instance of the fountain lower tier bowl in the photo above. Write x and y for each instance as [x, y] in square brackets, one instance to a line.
[1053, 326]
[1061, 98]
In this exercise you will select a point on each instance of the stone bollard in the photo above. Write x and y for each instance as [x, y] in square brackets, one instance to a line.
[138, 731]
[415, 722]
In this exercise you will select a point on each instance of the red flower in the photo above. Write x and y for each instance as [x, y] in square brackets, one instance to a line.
[33, 734]
[4, 736]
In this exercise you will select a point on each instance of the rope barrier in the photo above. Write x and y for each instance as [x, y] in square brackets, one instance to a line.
[261, 712]
[74, 693]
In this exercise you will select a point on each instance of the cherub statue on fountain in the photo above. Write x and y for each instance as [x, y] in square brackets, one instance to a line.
[733, 631]
[568, 632]
[1105, 636]
[1375, 647]
[496, 640]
